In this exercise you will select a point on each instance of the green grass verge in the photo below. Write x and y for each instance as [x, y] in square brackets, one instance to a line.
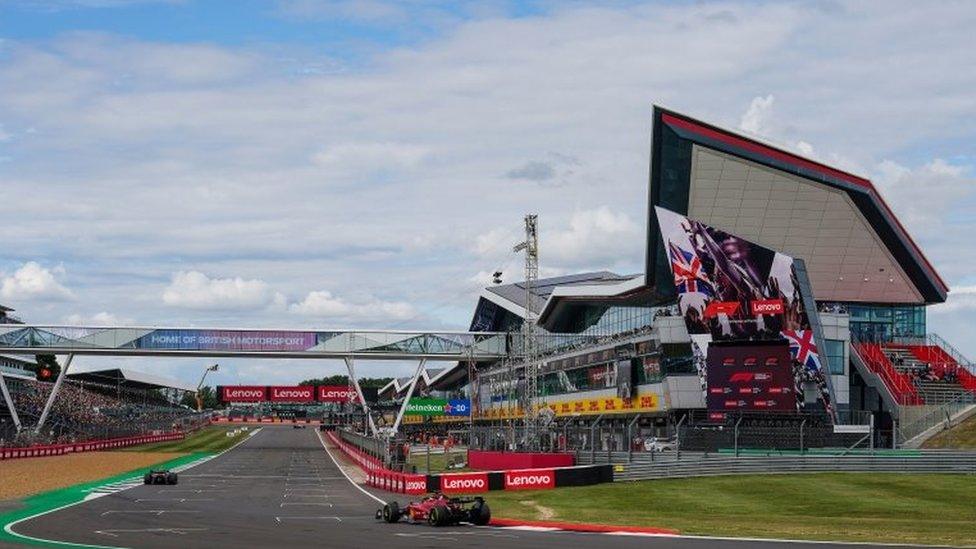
[906, 508]
[961, 436]
[55, 499]
[211, 439]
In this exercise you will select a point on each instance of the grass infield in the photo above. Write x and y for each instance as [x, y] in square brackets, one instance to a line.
[894, 508]
[211, 439]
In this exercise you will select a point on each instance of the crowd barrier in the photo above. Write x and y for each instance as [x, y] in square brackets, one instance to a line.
[89, 446]
[380, 477]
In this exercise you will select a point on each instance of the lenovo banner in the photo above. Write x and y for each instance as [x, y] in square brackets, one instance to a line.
[768, 307]
[465, 482]
[531, 479]
[303, 393]
[336, 393]
[242, 393]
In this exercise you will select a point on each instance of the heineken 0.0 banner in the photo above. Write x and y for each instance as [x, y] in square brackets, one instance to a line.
[438, 407]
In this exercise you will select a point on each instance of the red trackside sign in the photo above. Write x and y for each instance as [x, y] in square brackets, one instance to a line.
[465, 482]
[335, 393]
[302, 393]
[242, 393]
[531, 479]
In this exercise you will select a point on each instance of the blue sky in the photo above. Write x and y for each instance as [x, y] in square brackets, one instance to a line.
[367, 163]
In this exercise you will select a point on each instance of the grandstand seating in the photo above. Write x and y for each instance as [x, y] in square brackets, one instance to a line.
[899, 384]
[88, 412]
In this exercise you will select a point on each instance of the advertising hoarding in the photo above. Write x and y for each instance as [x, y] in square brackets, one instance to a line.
[430, 407]
[243, 393]
[335, 393]
[302, 393]
[226, 340]
[464, 483]
[530, 479]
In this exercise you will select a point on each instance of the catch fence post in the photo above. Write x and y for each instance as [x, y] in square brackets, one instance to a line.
[802, 425]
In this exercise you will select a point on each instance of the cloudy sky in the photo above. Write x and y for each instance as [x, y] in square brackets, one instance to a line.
[366, 164]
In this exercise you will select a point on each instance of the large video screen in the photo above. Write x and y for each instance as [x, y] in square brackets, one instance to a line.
[749, 377]
[733, 290]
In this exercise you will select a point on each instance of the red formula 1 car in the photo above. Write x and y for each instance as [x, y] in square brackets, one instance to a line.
[439, 510]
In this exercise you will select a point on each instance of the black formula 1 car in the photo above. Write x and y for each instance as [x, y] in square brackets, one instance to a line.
[439, 510]
[160, 477]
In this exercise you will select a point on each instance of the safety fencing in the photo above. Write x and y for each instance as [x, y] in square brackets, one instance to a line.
[672, 465]
[474, 482]
[248, 420]
[89, 446]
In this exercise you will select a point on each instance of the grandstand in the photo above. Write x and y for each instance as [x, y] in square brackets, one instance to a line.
[870, 281]
[93, 405]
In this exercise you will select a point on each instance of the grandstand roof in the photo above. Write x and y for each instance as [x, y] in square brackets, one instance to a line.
[132, 379]
[854, 247]
[512, 296]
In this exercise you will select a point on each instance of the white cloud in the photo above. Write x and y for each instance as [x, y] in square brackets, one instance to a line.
[368, 157]
[961, 298]
[923, 196]
[4, 135]
[98, 319]
[756, 118]
[32, 282]
[323, 304]
[595, 239]
[195, 290]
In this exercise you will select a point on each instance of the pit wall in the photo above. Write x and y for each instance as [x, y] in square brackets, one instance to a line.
[90, 446]
[380, 477]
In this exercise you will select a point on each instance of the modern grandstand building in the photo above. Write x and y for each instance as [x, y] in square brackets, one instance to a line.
[870, 280]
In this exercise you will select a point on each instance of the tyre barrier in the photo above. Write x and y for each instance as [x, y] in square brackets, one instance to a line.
[88, 446]
[380, 477]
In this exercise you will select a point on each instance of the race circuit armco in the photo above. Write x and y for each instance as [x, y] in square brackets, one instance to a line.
[280, 489]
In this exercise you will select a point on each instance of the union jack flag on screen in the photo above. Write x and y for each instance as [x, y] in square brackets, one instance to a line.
[688, 274]
[803, 349]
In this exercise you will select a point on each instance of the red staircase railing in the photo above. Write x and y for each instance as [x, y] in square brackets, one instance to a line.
[899, 385]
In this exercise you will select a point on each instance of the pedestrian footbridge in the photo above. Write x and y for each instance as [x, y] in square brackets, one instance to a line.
[255, 343]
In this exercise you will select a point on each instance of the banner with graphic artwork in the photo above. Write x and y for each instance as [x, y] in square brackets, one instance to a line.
[748, 298]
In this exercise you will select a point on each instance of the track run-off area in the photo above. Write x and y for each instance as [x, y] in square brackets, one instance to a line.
[281, 488]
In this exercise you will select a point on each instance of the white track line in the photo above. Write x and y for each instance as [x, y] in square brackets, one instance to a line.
[9, 528]
[339, 467]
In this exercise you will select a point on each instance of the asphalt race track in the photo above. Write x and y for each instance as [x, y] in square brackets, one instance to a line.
[280, 489]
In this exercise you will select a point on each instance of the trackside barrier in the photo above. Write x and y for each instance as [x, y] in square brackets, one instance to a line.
[668, 465]
[89, 446]
[380, 477]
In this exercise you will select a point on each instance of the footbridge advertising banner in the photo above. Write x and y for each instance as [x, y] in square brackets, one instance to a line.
[226, 340]
[743, 305]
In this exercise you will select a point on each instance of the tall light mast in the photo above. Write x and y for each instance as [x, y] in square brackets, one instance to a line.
[529, 343]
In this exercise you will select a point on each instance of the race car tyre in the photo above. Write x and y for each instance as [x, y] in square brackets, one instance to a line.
[171, 478]
[391, 512]
[439, 516]
[480, 513]
[147, 479]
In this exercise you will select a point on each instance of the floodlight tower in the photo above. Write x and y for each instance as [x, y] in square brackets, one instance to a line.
[530, 246]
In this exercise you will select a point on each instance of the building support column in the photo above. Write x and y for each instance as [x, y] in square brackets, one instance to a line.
[359, 392]
[54, 394]
[10, 402]
[406, 400]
